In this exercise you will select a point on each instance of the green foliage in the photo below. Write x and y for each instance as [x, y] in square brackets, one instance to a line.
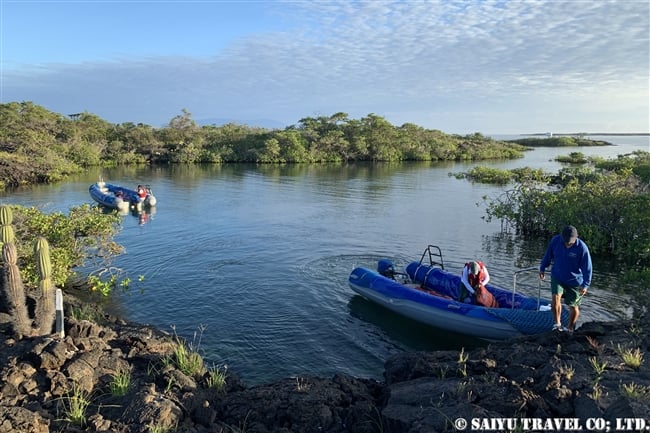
[186, 357]
[572, 158]
[527, 174]
[638, 162]
[85, 234]
[105, 287]
[39, 146]
[611, 209]
[631, 357]
[501, 177]
[75, 405]
[490, 175]
[216, 378]
[120, 383]
[561, 141]
[635, 391]
[86, 312]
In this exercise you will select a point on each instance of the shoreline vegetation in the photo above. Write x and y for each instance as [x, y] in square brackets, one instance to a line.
[567, 141]
[40, 146]
[591, 134]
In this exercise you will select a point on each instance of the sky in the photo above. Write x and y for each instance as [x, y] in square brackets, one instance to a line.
[494, 67]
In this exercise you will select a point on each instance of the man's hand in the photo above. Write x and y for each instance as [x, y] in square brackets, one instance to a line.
[541, 276]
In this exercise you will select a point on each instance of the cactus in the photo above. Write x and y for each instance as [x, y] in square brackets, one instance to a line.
[14, 291]
[6, 230]
[6, 215]
[6, 234]
[45, 302]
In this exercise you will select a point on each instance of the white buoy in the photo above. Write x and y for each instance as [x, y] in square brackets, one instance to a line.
[59, 313]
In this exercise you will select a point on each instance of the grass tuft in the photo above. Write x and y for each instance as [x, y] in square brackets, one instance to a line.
[599, 367]
[120, 383]
[186, 357]
[216, 378]
[462, 362]
[75, 404]
[635, 391]
[631, 358]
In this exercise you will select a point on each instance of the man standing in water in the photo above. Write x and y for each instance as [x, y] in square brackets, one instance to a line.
[570, 276]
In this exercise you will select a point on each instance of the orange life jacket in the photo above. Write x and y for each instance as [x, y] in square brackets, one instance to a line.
[475, 280]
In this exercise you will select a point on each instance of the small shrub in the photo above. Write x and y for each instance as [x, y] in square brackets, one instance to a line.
[631, 358]
[596, 392]
[490, 175]
[568, 371]
[86, 312]
[599, 367]
[572, 158]
[156, 428]
[635, 391]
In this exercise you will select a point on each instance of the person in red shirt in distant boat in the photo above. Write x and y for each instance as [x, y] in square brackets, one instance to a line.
[472, 285]
[142, 192]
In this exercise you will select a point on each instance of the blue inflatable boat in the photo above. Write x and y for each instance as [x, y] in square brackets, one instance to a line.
[428, 294]
[117, 197]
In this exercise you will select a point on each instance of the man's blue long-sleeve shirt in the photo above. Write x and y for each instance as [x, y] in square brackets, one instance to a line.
[571, 266]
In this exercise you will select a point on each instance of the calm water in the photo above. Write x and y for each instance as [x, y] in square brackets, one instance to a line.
[258, 257]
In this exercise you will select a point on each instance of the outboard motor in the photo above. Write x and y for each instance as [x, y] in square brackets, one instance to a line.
[385, 267]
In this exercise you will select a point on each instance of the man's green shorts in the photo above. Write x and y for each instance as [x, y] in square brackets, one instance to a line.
[571, 295]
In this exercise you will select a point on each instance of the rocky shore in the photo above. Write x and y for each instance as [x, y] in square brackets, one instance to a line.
[551, 382]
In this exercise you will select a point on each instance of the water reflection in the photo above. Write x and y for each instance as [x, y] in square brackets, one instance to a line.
[144, 215]
[414, 335]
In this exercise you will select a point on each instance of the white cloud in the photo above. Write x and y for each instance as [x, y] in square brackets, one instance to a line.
[420, 62]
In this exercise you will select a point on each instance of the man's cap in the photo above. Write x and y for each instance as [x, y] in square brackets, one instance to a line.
[474, 268]
[569, 234]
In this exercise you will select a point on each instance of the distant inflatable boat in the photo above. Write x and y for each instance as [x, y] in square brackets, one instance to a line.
[428, 294]
[120, 198]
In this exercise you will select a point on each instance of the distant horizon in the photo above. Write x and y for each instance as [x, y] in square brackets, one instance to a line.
[591, 133]
[264, 123]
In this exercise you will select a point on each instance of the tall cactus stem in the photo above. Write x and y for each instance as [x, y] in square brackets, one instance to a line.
[6, 234]
[6, 215]
[42, 254]
[45, 313]
[6, 230]
[14, 291]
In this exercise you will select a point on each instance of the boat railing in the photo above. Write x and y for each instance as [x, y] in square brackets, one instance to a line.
[514, 285]
[434, 254]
